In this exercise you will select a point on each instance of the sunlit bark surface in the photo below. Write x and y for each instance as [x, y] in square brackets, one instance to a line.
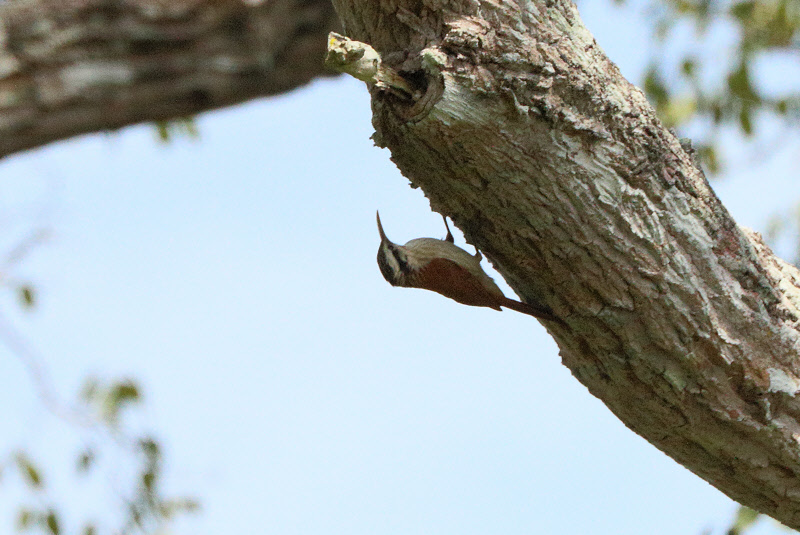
[71, 67]
[681, 322]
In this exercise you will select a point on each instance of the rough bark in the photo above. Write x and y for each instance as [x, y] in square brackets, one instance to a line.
[522, 131]
[70, 67]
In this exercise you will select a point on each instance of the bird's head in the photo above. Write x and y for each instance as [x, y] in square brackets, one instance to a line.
[392, 259]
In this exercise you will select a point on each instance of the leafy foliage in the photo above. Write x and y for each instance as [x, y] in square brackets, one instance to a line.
[169, 130]
[745, 518]
[129, 464]
[110, 400]
[143, 508]
[29, 472]
[691, 86]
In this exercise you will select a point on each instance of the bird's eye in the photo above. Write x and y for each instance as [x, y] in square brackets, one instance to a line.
[388, 265]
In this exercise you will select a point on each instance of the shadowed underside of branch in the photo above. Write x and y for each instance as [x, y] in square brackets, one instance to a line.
[520, 129]
[68, 68]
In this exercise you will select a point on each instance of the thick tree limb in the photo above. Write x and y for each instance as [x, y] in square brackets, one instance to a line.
[68, 68]
[685, 325]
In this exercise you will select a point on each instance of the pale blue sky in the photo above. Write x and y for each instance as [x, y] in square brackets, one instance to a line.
[295, 390]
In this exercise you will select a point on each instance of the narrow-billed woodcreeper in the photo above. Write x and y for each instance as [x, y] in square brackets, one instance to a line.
[443, 267]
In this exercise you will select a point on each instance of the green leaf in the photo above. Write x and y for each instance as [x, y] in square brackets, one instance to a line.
[29, 472]
[169, 508]
[89, 529]
[167, 130]
[162, 129]
[679, 110]
[117, 398]
[716, 113]
[745, 121]
[25, 519]
[740, 85]
[149, 481]
[745, 518]
[150, 448]
[743, 10]
[655, 88]
[689, 67]
[683, 7]
[85, 460]
[27, 296]
[52, 522]
[123, 392]
[708, 156]
[703, 12]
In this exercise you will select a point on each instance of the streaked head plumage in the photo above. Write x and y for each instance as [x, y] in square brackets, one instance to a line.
[391, 258]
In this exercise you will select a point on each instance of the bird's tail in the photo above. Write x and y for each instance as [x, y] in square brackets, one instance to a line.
[536, 311]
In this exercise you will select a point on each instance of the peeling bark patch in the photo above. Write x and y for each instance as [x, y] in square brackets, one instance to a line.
[84, 76]
[780, 381]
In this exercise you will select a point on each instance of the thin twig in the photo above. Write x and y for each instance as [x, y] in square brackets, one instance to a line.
[32, 361]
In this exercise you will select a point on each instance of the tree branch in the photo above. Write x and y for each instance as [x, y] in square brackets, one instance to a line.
[68, 68]
[682, 323]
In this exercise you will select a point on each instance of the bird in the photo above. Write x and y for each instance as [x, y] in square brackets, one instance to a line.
[444, 268]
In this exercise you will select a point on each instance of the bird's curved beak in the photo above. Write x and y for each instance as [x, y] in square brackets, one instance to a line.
[380, 228]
